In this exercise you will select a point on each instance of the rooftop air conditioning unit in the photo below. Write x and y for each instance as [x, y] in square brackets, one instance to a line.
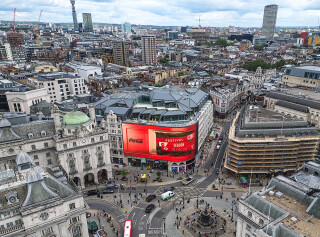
[271, 193]
[279, 194]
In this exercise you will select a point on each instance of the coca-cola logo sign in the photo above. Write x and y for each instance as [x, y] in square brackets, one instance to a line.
[135, 140]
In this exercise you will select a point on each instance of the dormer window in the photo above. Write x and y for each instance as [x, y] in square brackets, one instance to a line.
[30, 135]
[43, 133]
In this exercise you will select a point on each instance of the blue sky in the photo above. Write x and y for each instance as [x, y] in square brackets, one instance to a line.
[245, 13]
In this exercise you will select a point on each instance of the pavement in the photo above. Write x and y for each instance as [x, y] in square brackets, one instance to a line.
[165, 212]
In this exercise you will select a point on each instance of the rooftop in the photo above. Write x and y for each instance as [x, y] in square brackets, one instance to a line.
[54, 76]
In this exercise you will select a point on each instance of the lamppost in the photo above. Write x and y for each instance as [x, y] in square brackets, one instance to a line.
[197, 200]
[164, 225]
[145, 186]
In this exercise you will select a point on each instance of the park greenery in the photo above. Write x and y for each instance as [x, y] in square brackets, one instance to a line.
[223, 43]
[253, 65]
[164, 60]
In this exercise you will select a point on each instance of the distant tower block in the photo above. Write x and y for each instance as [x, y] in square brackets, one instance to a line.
[74, 16]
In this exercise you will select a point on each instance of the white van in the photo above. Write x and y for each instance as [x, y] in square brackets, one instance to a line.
[167, 195]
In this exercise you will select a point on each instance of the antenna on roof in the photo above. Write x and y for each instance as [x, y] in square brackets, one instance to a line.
[199, 23]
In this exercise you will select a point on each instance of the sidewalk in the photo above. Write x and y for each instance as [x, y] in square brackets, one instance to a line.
[110, 228]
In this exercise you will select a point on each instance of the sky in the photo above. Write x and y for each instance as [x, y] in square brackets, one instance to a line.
[219, 13]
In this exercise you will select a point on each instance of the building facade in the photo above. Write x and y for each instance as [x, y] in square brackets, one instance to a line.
[16, 42]
[87, 22]
[121, 53]
[305, 76]
[149, 54]
[60, 86]
[264, 142]
[21, 101]
[269, 21]
[283, 207]
[126, 27]
[39, 201]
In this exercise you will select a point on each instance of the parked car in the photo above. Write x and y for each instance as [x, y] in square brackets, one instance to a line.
[218, 147]
[220, 142]
[168, 188]
[112, 186]
[100, 233]
[93, 192]
[107, 191]
[150, 197]
[149, 208]
[187, 180]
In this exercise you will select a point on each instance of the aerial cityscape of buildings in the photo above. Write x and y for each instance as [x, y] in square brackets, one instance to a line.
[132, 130]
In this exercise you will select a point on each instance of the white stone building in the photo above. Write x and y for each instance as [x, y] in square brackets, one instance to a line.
[72, 140]
[85, 70]
[60, 86]
[21, 101]
[39, 202]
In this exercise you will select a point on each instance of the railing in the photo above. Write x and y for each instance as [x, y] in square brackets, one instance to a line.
[11, 229]
[87, 168]
[73, 172]
[101, 164]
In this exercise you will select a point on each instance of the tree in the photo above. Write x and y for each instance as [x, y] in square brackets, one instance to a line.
[221, 42]
[164, 60]
[123, 173]
[258, 47]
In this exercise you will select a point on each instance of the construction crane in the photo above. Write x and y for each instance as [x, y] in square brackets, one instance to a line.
[36, 29]
[14, 21]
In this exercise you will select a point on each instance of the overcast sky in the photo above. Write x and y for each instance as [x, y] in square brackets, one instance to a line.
[247, 13]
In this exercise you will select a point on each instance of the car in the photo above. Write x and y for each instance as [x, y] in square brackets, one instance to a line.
[217, 147]
[221, 137]
[112, 186]
[100, 233]
[93, 192]
[220, 142]
[187, 180]
[150, 197]
[168, 188]
[107, 190]
[149, 208]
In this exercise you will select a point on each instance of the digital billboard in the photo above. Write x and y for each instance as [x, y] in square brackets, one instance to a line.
[161, 143]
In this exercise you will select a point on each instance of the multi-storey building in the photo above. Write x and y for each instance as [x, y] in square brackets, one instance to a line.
[121, 53]
[295, 105]
[184, 117]
[16, 42]
[72, 140]
[269, 21]
[87, 22]
[149, 54]
[21, 101]
[60, 86]
[305, 76]
[264, 142]
[199, 35]
[39, 201]
[289, 206]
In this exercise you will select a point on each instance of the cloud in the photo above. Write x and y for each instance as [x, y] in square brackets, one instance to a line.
[166, 12]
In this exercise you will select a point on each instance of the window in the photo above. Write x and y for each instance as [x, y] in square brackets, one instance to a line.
[49, 162]
[74, 144]
[92, 139]
[247, 235]
[10, 224]
[47, 231]
[86, 162]
[48, 154]
[2, 227]
[69, 130]
[33, 147]
[101, 138]
[261, 222]
[76, 231]
[43, 133]
[65, 146]
[6, 214]
[35, 157]
[30, 135]
[37, 163]
[72, 206]
[249, 214]
[46, 145]
[17, 107]
[74, 219]
[248, 227]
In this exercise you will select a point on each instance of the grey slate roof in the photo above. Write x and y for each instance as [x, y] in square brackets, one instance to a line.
[300, 71]
[294, 99]
[293, 106]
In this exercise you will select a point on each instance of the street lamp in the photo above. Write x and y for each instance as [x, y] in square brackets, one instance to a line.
[197, 200]
[164, 225]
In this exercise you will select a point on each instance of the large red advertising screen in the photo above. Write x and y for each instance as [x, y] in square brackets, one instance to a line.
[161, 143]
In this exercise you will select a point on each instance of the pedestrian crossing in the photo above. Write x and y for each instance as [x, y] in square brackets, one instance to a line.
[186, 192]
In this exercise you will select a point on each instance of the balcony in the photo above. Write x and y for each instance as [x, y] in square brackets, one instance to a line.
[87, 168]
[11, 229]
[72, 172]
[101, 164]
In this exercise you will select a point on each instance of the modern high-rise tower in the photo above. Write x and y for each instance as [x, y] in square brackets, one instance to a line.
[87, 22]
[269, 21]
[74, 16]
[149, 49]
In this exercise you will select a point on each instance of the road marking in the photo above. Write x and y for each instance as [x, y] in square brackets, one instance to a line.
[152, 214]
[133, 215]
[143, 216]
[200, 180]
